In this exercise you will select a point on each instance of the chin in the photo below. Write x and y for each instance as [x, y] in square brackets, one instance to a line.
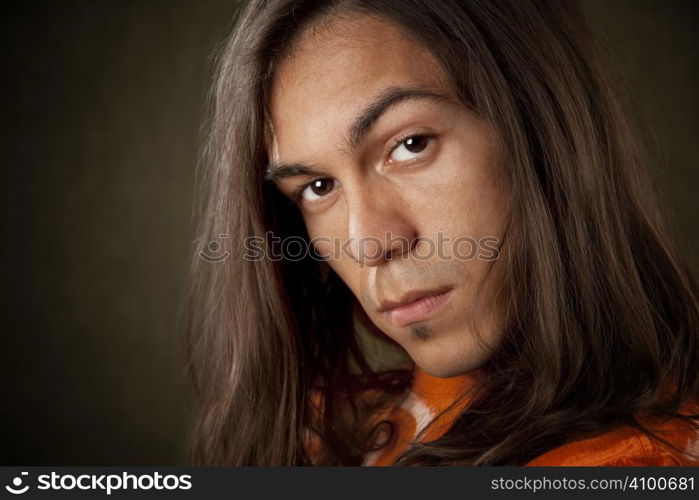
[445, 366]
[444, 358]
[441, 371]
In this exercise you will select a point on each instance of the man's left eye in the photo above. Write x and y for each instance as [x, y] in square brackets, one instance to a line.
[410, 148]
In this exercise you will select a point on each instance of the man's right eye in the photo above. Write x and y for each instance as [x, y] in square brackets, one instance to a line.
[317, 188]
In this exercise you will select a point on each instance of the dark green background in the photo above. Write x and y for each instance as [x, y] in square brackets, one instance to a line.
[101, 106]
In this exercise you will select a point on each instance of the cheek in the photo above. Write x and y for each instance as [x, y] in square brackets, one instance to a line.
[347, 270]
[468, 186]
[456, 200]
[326, 232]
[477, 198]
[323, 245]
[329, 237]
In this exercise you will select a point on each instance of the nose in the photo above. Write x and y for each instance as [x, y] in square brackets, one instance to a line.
[378, 227]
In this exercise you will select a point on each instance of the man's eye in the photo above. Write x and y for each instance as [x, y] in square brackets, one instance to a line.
[318, 188]
[410, 148]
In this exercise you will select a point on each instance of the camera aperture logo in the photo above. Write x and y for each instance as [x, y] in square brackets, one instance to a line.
[102, 482]
[16, 487]
[213, 253]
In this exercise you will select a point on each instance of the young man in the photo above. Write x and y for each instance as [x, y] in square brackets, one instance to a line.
[471, 192]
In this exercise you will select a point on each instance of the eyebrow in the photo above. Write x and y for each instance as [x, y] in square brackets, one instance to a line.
[359, 129]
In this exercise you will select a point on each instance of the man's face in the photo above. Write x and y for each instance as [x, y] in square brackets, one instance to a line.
[369, 135]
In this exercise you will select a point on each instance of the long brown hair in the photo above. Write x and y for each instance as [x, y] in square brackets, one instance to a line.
[604, 318]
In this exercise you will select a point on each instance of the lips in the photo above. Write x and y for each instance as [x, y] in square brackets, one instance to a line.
[416, 306]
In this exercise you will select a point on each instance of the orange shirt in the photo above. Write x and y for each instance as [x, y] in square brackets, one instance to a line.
[621, 446]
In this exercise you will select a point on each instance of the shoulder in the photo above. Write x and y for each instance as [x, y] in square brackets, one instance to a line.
[627, 446]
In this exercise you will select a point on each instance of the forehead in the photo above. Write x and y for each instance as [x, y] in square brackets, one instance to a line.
[338, 66]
